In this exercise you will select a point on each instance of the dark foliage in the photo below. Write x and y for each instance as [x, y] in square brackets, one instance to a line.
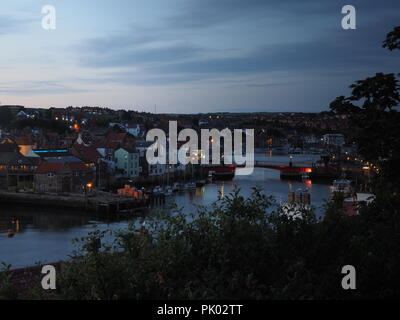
[374, 121]
[392, 41]
[53, 125]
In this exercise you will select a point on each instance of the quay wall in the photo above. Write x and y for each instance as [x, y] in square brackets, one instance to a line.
[95, 203]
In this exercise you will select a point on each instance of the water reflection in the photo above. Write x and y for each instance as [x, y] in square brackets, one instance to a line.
[45, 235]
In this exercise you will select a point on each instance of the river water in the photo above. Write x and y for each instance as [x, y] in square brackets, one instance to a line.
[46, 235]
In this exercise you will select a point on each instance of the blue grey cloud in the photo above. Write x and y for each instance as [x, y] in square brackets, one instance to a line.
[333, 48]
[10, 24]
[206, 13]
[131, 56]
[36, 88]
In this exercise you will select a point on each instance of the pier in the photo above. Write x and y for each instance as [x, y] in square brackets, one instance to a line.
[99, 202]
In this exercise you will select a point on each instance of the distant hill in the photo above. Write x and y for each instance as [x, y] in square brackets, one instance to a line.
[14, 109]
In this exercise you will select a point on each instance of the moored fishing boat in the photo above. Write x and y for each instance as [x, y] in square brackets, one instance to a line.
[342, 187]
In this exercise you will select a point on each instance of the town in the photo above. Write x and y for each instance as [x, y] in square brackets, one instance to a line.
[99, 154]
[190, 152]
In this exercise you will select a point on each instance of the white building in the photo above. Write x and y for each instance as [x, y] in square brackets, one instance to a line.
[128, 162]
[134, 130]
[334, 139]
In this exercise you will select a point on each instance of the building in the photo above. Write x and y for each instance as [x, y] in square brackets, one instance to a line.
[16, 170]
[120, 138]
[88, 154]
[28, 114]
[146, 168]
[135, 130]
[60, 177]
[127, 162]
[336, 140]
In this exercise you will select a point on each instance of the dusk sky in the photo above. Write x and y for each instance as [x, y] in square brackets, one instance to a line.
[189, 56]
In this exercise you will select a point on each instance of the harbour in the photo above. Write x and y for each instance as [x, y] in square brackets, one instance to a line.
[45, 233]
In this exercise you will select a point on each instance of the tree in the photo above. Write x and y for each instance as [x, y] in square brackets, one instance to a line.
[240, 248]
[6, 116]
[392, 41]
[375, 120]
[243, 248]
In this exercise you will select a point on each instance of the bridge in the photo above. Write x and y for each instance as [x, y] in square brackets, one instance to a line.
[294, 167]
[283, 167]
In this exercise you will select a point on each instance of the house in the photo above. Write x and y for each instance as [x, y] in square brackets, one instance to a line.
[135, 130]
[28, 114]
[107, 149]
[88, 154]
[55, 154]
[85, 138]
[26, 146]
[95, 160]
[146, 168]
[336, 140]
[60, 177]
[127, 161]
[16, 170]
[117, 138]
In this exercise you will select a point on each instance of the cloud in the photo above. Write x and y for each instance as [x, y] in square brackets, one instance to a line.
[9, 24]
[206, 13]
[341, 51]
[161, 57]
[322, 53]
[129, 56]
[36, 88]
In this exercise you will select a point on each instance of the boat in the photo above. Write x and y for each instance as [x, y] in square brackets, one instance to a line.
[158, 190]
[305, 176]
[342, 187]
[176, 187]
[168, 191]
[223, 172]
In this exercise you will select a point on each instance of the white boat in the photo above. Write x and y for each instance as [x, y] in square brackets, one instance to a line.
[158, 190]
[342, 186]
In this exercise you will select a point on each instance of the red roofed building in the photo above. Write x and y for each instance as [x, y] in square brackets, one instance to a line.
[88, 154]
[117, 137]
[60, 177]
[49, 167]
